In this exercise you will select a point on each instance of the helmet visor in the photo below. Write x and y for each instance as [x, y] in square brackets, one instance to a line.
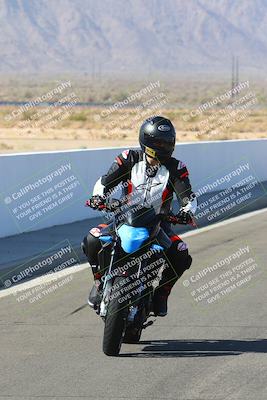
[162, 147]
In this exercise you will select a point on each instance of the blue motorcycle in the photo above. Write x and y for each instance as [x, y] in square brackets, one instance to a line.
[132, 261]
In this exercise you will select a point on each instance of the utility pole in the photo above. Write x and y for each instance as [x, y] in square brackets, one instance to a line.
[237, 71]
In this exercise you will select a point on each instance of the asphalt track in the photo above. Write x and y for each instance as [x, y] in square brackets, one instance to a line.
[51, 348]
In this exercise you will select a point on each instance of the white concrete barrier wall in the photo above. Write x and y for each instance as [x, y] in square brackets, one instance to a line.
[40, 190]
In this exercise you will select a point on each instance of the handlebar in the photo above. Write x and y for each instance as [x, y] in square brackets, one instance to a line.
[114, 204]
[173, 219]
[111, 205]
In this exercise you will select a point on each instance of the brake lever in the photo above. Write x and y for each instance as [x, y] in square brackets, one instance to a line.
[100, 207]
[173, 219]
[169, 218]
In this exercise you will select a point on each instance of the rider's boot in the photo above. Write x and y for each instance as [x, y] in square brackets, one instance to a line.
[182, 261]
[94, 297]
[160, 300]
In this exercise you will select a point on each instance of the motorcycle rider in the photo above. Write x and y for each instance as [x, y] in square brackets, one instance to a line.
[152, 168]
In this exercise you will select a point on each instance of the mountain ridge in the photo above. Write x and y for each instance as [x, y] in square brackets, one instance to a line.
[131, 35]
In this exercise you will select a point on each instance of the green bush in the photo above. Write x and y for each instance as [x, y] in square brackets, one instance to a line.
[78, 117]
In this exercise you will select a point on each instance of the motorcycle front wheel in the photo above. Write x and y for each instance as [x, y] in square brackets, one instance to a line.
[115, 323]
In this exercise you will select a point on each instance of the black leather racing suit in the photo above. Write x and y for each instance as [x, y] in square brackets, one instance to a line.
[155, 186]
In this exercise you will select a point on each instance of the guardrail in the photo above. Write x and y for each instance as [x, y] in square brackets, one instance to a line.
[40, 190]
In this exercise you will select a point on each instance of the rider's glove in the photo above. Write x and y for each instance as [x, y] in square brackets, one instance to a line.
[185, 217]
[96, 202]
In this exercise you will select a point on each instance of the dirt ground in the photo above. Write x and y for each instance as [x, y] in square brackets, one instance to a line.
[85, 128]
[12, 142]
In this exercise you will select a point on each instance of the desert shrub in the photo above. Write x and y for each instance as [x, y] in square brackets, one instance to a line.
[78, 117]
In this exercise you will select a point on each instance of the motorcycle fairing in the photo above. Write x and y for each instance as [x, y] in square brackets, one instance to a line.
[106, 238]
[132, 237]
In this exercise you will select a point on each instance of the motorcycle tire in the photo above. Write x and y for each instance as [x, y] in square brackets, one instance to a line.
[115, 324]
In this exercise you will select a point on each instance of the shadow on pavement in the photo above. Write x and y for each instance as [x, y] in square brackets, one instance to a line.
[198, 348]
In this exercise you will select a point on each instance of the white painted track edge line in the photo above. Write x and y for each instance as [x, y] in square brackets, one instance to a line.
[40, 280]
[224, 223]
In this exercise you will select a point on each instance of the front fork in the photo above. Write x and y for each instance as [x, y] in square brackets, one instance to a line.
[107, 286]
[135, 307]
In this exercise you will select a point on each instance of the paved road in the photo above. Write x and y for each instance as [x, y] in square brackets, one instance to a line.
[200, 351]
